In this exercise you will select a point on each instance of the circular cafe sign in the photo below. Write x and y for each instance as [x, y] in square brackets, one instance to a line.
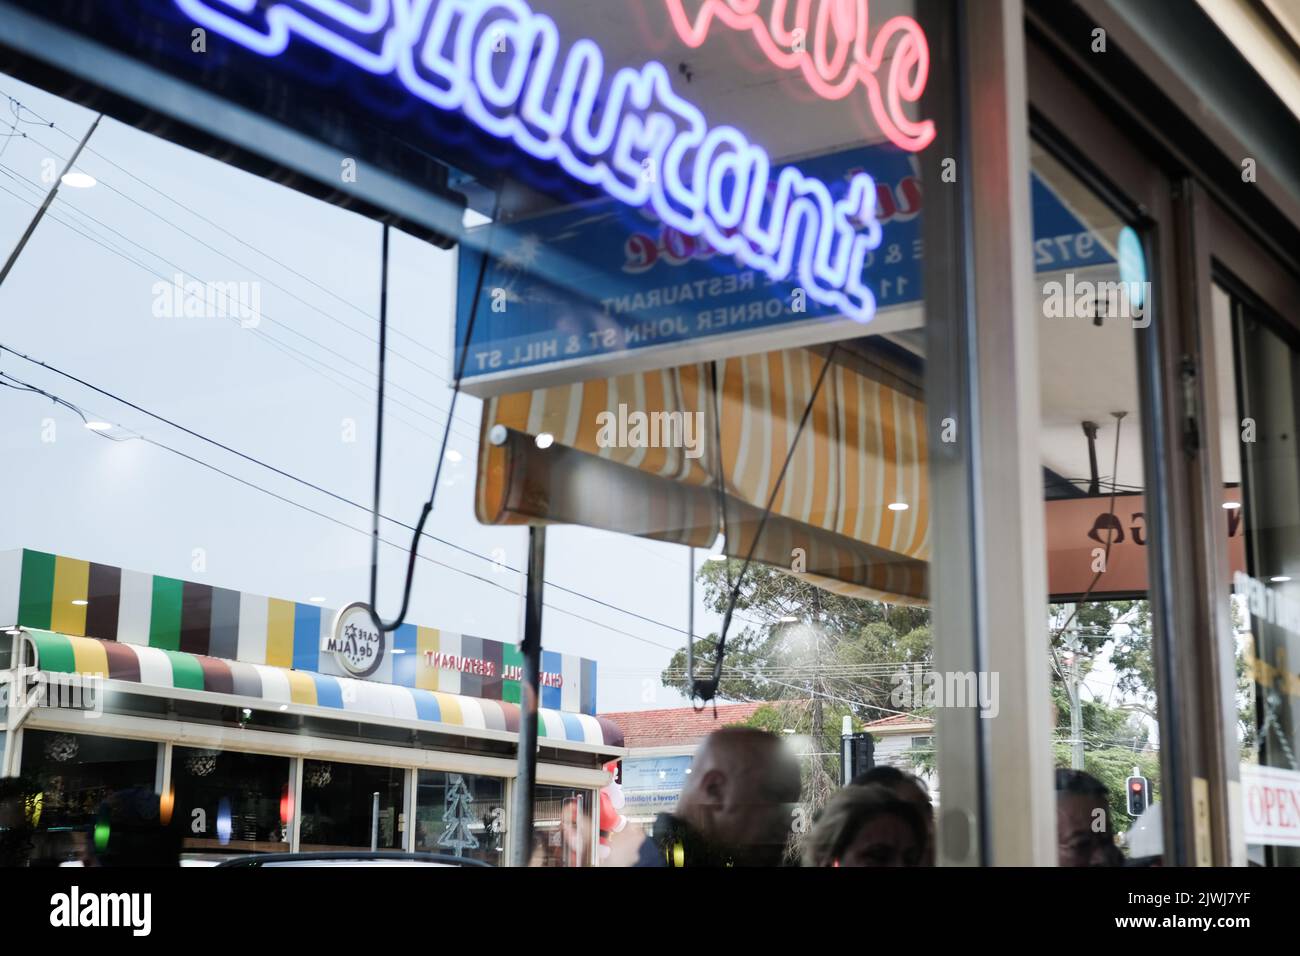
[356, 643]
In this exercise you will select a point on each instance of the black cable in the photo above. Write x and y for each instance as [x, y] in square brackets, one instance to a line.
[427, 509]
[707, 690]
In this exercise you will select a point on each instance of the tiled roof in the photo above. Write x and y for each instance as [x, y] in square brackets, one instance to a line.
[900, 721]
[678, 726]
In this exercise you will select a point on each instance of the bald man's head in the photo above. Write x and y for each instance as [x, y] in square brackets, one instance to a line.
[740, 793]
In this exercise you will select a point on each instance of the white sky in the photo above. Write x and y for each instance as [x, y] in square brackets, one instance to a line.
[79, 306]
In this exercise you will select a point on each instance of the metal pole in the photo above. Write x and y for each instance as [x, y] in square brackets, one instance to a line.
[374, 821]
[49, 198]
[521, 845]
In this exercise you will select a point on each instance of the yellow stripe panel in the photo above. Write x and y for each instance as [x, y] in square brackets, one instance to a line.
[71, 583]
[302, 689]
[426, 642]
[449, 707]
[279, 634]
[88, 655]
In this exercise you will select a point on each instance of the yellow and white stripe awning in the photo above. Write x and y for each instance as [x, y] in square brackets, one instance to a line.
[862, 450]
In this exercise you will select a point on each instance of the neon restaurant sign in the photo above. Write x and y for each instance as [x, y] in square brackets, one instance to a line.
[507, 69]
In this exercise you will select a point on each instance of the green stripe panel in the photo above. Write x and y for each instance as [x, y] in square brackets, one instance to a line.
[53, 652]
[510, 689]
[36, 591]
[165, 619]
[187, 672]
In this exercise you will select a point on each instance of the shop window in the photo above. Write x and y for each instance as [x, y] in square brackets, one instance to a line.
[1095, 305]
[78, 776]
[562, 827]
[1259, 394]
[338, 806]
[460, 814]
[227, 801]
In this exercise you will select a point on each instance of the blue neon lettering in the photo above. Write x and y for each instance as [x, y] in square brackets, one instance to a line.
[632, 136]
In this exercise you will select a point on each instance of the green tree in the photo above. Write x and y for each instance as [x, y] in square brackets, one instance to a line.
[820, 656]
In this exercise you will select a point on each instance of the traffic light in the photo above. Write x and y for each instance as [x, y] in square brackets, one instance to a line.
[858, 755]
[1139, 795]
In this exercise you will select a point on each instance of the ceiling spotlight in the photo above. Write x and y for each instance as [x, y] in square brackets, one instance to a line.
[78, 180]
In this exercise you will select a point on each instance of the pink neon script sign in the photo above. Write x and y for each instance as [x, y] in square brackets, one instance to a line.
[830, 42]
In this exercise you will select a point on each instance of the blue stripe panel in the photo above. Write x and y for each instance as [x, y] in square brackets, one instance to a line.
[552, 663]
[306, 637]
[588, 704]
[426, 705]
[329, 692]
[404, 640]
[572, 728]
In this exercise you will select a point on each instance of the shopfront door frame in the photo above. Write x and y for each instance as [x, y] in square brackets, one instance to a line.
[1189, 192]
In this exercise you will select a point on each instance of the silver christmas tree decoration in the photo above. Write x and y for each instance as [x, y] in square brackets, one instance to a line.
[458, 816]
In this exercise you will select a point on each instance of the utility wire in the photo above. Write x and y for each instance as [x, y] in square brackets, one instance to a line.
[23, 386]
[263, 336]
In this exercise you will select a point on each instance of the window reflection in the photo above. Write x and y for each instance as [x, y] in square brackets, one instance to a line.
[231, 801]
[461, 815]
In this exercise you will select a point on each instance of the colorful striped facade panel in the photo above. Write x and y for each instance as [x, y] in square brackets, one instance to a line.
[151, 612]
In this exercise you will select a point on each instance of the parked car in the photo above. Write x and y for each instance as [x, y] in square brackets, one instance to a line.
[352, 858]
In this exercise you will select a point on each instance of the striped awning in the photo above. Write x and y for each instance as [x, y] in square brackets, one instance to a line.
[863, 450]
[158, 668]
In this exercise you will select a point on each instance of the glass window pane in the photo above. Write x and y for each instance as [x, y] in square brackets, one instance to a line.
[231, 801]
[1095, 302]
[460, 814]
[76, 775]
[338, 806]
[562, 827]
[1259, 401]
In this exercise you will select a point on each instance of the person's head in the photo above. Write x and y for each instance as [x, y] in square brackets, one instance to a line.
[867, 826]
[1083, 831]
[742, 787]
[908, 788]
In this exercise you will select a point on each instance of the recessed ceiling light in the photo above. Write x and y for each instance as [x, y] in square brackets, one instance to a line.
[78, 180]
[99, 426]
[1231, 505]
[545, 440]
[898, 506]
